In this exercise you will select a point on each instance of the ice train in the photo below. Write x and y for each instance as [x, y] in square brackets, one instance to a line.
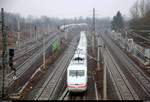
[77, 69]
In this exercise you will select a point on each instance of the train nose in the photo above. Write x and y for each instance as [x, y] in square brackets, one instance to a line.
[77, 87]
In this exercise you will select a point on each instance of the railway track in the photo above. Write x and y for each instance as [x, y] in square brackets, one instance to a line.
[30, 45]
[25, 49]
[123, 89]
[136, 77]
[47, 92]
[29, 51]
[80, 96]
[73, 96]
[27, 63]
[25, 54]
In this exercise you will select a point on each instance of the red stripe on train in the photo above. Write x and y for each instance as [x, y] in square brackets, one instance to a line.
[76, 86]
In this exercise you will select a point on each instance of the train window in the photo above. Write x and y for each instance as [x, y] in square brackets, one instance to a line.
[80, 72]
[72, 73]
[76, 73]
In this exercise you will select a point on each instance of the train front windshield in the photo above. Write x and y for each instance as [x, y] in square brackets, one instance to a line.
[76, 73]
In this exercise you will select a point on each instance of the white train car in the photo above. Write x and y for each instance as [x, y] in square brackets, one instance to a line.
[77, 69]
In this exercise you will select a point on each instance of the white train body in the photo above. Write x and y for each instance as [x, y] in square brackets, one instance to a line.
[77, 69]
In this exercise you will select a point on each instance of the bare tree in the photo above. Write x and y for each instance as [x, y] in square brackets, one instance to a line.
[140, 18]
[140, 8]
[134, 10]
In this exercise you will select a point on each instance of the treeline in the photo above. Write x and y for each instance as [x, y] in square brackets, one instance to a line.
[117, 24]
[44, 24]
[139, 22]
[27, 26]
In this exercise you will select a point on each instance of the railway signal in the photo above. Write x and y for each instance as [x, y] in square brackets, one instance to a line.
[11, 55]
[35, 29]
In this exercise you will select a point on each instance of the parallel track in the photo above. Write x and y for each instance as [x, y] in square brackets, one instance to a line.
[73, 96]
[28, 62]
[136, 77]
[123, 88]
[47, 92]
[81, 96]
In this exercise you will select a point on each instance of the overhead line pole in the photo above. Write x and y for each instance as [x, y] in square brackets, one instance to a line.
[18, 34]
[94, 20]
[93, 32]
[4, 53]
[44, 54]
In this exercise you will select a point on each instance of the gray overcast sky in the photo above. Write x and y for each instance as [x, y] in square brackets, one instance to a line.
[67, 8]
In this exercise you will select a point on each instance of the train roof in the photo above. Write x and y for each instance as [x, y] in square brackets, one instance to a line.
[79, 55]
[83, 40]
[79, 60]
[82, 51]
